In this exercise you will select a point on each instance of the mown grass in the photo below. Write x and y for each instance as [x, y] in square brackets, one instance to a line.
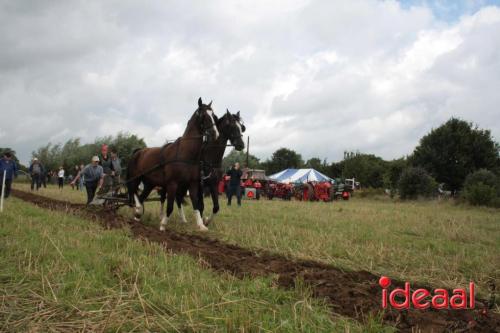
[441, 243]
[60, 273]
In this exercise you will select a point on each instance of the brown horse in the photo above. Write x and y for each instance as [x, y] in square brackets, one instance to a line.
[231, 129]
[173, 164]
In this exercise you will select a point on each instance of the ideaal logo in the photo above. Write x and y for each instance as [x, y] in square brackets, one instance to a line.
[440, 299]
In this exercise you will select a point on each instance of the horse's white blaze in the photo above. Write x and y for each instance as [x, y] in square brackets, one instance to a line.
[199, 221]
[211, 114]
[163, 222]
[239, 127]
[181, 212]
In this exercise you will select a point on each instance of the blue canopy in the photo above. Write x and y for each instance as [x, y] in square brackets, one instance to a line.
[299, 176]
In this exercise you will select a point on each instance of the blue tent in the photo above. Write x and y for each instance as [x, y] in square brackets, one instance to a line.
[299, 176]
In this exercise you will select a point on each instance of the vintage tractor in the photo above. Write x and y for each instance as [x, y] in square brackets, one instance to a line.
[314, 191]
[343, 189]
[254, 181]
[279, 190]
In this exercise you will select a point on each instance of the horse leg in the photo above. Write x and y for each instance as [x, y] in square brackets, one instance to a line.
[139, 201]
[132, 190]
[214, 192]
[171, 191]
[201, 202]
[179, 199]
[163, 197]
[194, 188]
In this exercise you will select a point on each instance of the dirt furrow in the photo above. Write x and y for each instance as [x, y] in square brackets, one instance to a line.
[352, 294]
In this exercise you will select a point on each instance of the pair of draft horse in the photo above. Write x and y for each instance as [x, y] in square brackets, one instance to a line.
[190, 163]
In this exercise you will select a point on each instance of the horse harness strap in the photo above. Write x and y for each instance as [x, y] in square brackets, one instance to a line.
[163, 162]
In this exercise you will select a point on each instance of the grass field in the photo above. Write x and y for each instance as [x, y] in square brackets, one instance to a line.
[440, 243]
[60, 273]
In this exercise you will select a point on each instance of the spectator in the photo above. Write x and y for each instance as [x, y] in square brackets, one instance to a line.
[94, 178]
[36, 172]
[60, 177]
[8, 166]
[81, 181]
[107, 167]
[258, 189]
[234, 184]
[117, 168]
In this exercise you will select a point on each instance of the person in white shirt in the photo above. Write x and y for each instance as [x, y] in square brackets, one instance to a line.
[60, 177]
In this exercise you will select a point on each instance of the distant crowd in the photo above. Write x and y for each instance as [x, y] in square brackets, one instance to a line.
[103, 172]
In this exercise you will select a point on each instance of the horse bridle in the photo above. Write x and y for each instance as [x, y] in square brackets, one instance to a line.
[232, 137]
[205, 130]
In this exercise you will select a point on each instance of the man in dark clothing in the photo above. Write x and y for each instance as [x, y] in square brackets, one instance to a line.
[93, 176]
[36, 172]
[234, 184]
[8, 166]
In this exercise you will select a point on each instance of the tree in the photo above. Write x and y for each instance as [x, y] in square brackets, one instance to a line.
[283, 158]
[317, 164]
[415, 182]
[454, 150]
[240, 157]
[124, 144]
[14, 157]
[367, 169]
[482, 187]
[334, 170]
[73, 153]
[393, 172]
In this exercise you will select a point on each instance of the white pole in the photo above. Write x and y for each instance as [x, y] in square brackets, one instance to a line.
[3, 190]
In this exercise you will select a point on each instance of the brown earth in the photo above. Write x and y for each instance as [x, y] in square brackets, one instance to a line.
[353, 294]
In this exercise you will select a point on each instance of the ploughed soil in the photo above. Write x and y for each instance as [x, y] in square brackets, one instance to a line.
[352, 294]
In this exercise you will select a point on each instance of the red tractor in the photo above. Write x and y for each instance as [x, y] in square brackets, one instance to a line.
[279, 190]
[252, 184]
[314, 191]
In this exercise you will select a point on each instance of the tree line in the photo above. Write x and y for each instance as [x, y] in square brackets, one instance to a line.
[73, 152]
[447, 155]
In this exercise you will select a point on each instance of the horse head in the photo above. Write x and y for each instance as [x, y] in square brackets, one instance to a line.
[231, 127]
[206, 120]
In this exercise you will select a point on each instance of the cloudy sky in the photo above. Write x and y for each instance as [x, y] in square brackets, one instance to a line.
[319, 77]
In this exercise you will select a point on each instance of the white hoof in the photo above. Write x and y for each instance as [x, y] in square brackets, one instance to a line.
[163, 223]
[206, 221]
[202, 228]
[137, 219]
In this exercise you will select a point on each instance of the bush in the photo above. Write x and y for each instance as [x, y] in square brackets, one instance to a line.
[482, 188]
[370, 192]
[415, 182]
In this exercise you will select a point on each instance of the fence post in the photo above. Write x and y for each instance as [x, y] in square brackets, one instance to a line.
[3, 190]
